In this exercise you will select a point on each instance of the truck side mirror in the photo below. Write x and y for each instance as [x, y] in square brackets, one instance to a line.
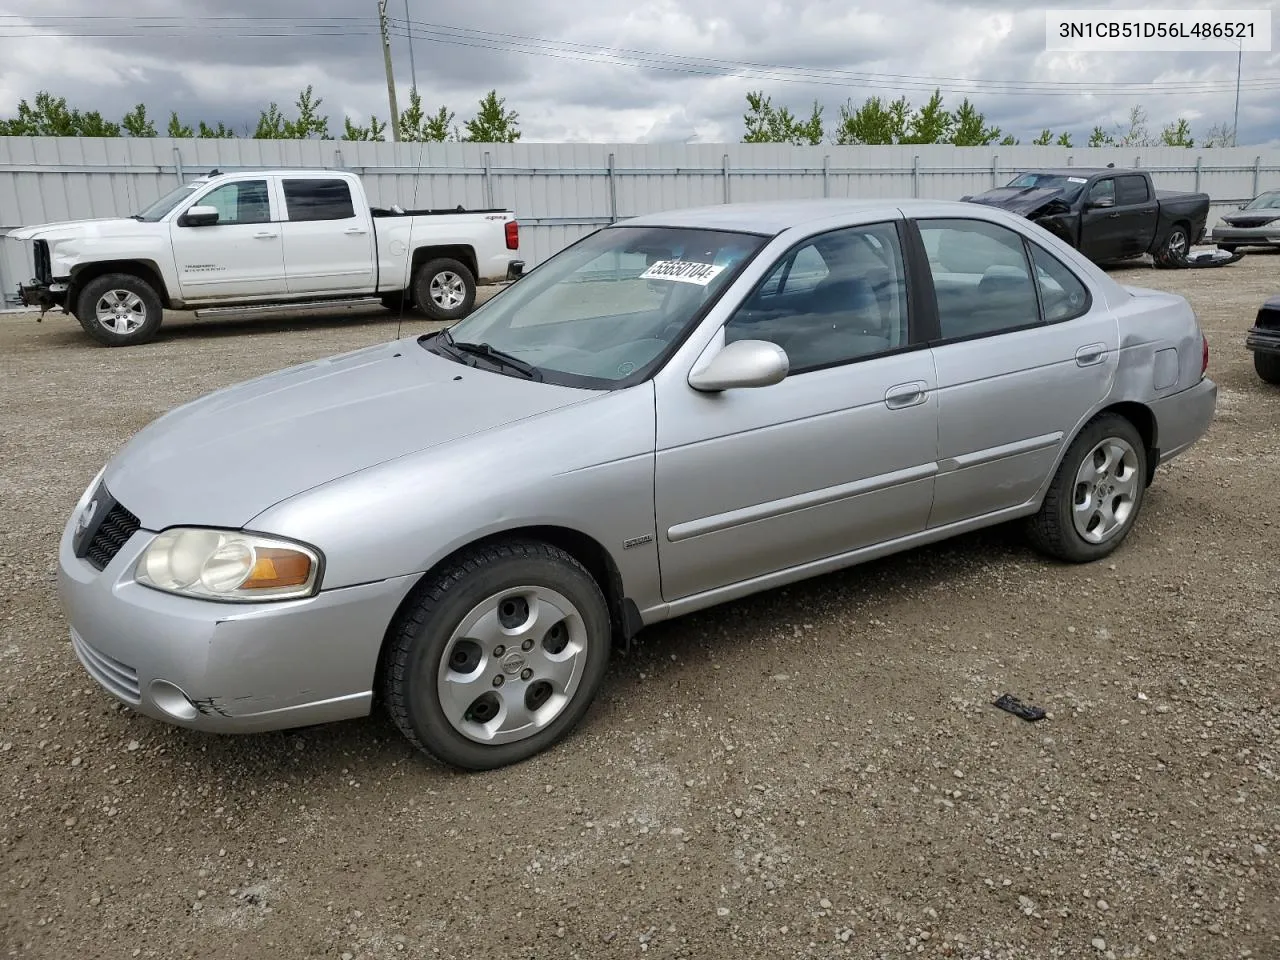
[199, 217]
[1100, 202]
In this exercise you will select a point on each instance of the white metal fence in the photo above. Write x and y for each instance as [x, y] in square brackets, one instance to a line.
[560, 191]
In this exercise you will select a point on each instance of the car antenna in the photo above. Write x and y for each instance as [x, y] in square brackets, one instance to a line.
[408, 259]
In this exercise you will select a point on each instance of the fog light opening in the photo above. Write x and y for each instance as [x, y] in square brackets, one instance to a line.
[170, 698]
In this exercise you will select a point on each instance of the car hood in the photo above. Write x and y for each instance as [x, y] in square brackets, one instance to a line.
[69, 229]
[224, 458]
[1246, 216]
[1024, 201]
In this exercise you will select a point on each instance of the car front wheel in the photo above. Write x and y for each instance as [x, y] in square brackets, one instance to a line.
[1268, 366]
[1096, 494]
[498, 655]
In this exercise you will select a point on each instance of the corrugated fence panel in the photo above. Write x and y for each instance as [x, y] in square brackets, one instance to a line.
[561, 192]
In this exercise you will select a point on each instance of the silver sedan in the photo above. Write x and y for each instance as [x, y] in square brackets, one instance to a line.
[673, 412]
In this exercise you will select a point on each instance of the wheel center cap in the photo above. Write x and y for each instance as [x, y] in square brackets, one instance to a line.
[513, 663]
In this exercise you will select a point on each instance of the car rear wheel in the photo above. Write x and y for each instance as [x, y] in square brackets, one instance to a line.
[497, 656]
[119, 309]
[1268, 366]
[444, 289]
[1096, 494]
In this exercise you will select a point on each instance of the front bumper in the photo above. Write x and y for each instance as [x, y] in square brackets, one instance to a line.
[1263, 340]
[46, 296]
[1265, 236]
[1184, 417]
[220, 667]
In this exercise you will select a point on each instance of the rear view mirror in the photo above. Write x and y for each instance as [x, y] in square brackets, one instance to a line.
[744, 363]
[200, 217]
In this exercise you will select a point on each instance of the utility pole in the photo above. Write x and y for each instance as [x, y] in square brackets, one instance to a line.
[408, 25]
[391, 80]
[1235, 124]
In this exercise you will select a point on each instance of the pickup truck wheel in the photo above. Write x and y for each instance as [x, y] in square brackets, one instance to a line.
[119, 310]
[444, 289]
[1096, 494]
[498, 655]
[1268, 366]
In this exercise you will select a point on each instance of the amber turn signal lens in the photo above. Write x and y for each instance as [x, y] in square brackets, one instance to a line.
[274, 568]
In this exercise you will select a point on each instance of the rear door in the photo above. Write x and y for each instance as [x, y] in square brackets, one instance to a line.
[1022, 353]
[1138, 212]
[328, 237]
[241, 255]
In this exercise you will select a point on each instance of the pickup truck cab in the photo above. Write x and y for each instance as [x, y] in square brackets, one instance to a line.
[259, 239]
[1104, 212]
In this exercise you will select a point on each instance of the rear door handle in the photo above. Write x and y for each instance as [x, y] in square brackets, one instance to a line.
[906, 395]
[265, 236]
[1093, 353]
[355, 230]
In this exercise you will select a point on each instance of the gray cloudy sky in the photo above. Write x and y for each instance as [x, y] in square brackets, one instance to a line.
[543, 57]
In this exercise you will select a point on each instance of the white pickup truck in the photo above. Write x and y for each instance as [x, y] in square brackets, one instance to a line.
[260, 239]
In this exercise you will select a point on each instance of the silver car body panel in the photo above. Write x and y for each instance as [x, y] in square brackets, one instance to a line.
[390, 459]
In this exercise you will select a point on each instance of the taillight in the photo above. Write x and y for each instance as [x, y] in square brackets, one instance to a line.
[513, 235]
[1204, 356]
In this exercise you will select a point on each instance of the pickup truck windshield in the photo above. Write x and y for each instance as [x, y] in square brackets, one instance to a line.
[603, 312]
[1071, 186]
[161, 207]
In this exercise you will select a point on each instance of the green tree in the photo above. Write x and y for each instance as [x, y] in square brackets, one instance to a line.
[1064, 139]
[1177, 134]
[178, 129]
[274, 125]
[970, 127]
[220, 132]
[136, 123]
[931, 123]
[493, 123]
[874, 122]
[768, 124]
[416, 125]
[374, 131]
[49, 116]
[1100, 138]
[1045, 138]
[1219, 135]
[1009, 141]
[440, 126]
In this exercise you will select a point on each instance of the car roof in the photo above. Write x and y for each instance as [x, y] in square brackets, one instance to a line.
[1076, 171]
[772, 217]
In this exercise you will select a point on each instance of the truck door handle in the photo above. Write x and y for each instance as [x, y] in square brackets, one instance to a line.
[1113, 216]
[265, 236]
[906, 395]
[1093, 353]
[355, 230]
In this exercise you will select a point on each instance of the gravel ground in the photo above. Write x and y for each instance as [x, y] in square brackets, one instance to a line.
[812, 772]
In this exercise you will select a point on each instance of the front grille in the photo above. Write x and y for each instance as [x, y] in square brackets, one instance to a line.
[1251, 221]
[44, 268]
[119, 678]
[114, 532]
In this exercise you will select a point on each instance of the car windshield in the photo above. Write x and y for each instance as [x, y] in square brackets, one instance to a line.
[1264, 201]
[159, 209]
[1071, 186]
[605, 312]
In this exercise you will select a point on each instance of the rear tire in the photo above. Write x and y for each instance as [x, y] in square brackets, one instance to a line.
[498, 655]
[1096, 494]
[1268, 366]
[119, 310]
[444, 289]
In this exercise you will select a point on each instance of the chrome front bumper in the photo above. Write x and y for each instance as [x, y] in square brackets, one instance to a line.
[220, 667]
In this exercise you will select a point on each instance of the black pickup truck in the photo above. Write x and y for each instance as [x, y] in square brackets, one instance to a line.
[1104, 212]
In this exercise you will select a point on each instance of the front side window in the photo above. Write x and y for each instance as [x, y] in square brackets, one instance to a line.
[1103, 192]
[604, 312]
[315, 199]
[243, 201]
[839, 297]
[981, 278]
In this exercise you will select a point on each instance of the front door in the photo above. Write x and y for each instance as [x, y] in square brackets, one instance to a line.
[1101, 224]
[1020, 362]
[242, 255]
[839, 455]
[328, 243]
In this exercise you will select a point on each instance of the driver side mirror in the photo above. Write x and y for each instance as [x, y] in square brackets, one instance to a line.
[1100, 203]
[743, 363]
[199, 217]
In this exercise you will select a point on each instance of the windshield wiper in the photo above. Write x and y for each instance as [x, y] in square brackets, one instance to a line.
[491, 353]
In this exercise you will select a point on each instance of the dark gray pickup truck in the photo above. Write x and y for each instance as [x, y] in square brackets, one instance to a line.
[1105, 213]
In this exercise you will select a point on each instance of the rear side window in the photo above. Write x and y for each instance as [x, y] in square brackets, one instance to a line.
[1130, 190]
[314, 199]
[1062, 294]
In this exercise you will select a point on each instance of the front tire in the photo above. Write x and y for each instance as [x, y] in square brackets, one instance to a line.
[1096, 494]
[444, 289]
[498, 655]
[119, 310]
[1268, 366]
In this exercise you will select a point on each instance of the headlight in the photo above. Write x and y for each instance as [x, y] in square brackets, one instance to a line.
[228, 565]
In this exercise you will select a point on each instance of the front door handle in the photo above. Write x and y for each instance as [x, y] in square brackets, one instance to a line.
[906, 395]
[265, 236]
[1113, 216]
[1093, 353]
[355, 230]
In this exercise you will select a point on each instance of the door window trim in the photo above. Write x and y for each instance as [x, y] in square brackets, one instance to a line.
[929, 301]
[912, 288]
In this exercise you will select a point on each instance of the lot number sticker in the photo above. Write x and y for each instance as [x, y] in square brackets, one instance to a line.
[683, 271]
